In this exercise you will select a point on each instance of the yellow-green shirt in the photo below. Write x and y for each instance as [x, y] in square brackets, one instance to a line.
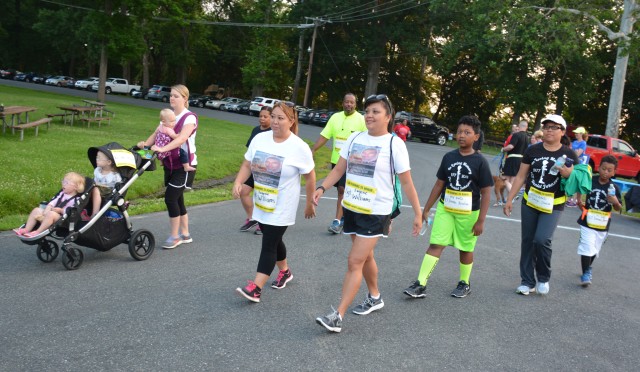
[339, 128]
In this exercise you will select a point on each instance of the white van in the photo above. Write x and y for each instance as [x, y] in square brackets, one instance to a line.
[258, 102]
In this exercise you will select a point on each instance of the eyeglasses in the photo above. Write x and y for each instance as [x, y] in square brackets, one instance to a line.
[379, 97]
[551, 127]
[289, 104]
[67, 182]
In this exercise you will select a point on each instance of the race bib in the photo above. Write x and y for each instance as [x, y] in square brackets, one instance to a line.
[123, 158]
[597, 219]
[338, 142]
[265, 198]
[457, 201]
[358, 197]
[540, 200]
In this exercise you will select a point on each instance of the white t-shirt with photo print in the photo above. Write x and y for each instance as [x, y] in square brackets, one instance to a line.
[369, 188]
[276, 169]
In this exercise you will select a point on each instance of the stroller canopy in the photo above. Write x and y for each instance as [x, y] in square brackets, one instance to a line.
[125, 161]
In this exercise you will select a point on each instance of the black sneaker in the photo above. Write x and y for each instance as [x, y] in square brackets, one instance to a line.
[248, 225]
[331, 321]
[462, 290]
[368, 305]
[284, 277]
[251, 292]
[416, 290]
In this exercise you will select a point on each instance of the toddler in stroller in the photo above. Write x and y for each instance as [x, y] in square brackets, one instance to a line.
[110, 226]
[46, 215]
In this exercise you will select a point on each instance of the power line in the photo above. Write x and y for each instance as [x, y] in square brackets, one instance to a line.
[383, 13]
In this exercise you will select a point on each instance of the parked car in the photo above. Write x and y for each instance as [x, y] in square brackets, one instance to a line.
[137, 93]
[215, 104]
[86, 83]
[25, 76]
[40, 79]
[321, 117]
[71, 83]
[258, 102]
[628, 158]
[8, 73]
[159, 93]
[233, 107]
[198, 100]
[59, 81]
[424, 128]
[305, 116]
[116, 85]
[243, 108]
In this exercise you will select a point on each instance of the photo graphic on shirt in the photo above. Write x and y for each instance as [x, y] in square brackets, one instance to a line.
[362, 160]
[266, 169]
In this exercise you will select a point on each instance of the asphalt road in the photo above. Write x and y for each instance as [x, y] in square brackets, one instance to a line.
[178, 310]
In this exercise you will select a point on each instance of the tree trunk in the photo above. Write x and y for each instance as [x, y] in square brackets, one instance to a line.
[296, 83]
[620, 72]
[418, 91]
[103, 72]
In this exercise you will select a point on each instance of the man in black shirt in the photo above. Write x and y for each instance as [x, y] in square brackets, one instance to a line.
[514, 150]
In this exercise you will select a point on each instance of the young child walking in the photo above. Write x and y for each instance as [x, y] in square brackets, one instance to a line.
[596, 216]
[165, 133]
[72, 185]
[105, 177]
[463, 193]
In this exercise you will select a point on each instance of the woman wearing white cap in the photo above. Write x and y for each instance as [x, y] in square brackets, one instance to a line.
[542, 204]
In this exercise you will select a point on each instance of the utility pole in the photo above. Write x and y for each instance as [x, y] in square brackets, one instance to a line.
[313, 48]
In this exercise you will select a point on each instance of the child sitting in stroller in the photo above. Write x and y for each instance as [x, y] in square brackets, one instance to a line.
[72, 186]
[105, 177]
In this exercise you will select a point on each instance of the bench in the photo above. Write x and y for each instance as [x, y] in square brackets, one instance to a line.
[98, 120]
[31, 124]
[62, 115]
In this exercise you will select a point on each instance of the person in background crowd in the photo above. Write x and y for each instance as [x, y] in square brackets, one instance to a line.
[339, 128]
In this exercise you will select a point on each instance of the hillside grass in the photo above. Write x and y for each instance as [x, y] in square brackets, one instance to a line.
[31, 170]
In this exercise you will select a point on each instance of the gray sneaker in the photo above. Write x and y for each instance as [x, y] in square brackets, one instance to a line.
[368, 305]
[335, 227]
[331, 321]
[462, 290]
[416, 290]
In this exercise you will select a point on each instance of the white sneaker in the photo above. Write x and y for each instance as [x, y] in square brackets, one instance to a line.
[543, 288]
[525, 290]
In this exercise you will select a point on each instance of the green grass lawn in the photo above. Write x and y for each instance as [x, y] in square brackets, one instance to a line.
[31, 170]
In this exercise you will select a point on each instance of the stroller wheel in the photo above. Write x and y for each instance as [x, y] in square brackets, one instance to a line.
[72, 258]
[47, 251]
[141, 244]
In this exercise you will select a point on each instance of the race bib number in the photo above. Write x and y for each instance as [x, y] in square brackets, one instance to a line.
[358, 197]
[265, 198]
[540, 200]
[123, 158]
[598, 219]
[338, 142]
[458, 201]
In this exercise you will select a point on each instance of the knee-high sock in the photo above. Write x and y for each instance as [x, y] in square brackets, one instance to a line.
[465, 272]
[428, 264]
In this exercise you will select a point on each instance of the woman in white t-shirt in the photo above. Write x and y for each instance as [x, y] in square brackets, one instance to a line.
[276, 159]
[368, 202]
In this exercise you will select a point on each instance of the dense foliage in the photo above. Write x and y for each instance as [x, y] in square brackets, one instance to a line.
[501, 60]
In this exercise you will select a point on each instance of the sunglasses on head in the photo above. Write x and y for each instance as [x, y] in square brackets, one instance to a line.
[380, 97]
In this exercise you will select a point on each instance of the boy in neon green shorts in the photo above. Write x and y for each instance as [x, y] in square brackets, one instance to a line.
[463, 192]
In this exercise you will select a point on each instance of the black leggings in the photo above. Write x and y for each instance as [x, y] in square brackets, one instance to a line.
[586, 262]
[273, 248]
[175, 180]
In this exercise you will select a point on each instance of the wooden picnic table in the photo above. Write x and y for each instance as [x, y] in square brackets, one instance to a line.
[14, 113]
[94, 103]
[82, 112]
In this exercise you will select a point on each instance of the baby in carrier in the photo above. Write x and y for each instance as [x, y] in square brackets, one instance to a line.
[105, 178]
[72, 185]
[164, 135]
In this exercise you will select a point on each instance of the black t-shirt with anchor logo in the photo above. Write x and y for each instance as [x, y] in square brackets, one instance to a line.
[468, 173]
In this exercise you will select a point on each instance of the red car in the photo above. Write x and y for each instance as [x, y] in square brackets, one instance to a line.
[628, 158]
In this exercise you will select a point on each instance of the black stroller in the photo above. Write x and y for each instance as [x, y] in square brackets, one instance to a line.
[110, 226]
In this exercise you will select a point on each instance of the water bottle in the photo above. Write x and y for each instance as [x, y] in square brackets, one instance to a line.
[559, 164]
[612, 190]
[426, 224]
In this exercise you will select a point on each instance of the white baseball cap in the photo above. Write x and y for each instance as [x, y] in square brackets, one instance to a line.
[556, 119]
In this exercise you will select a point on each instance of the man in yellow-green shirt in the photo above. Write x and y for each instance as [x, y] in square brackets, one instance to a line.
[339, 128]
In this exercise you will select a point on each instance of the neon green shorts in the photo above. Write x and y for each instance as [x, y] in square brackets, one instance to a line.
[454, 229]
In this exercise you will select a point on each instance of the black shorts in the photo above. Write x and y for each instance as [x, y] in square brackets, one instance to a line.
[249, 181]
[366, 225]
[511, 166]
[342, 181]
